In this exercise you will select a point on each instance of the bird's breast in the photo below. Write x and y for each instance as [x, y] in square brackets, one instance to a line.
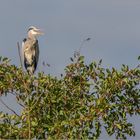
[29, 54]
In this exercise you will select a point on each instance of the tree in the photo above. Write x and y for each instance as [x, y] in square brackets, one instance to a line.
[78, 105]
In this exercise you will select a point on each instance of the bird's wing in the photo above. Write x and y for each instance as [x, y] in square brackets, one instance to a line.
[36, 53]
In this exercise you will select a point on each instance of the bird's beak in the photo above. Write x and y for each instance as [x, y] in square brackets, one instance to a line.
[39, 32]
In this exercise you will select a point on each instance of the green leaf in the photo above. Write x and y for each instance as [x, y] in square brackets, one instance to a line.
[81, 58]
[34, 123]
[119, 126]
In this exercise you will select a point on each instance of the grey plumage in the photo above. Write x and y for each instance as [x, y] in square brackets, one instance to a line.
[30, 50]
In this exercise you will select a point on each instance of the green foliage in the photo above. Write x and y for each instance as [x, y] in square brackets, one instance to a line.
[78, 105]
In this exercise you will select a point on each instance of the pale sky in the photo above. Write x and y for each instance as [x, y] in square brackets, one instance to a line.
[113, 25]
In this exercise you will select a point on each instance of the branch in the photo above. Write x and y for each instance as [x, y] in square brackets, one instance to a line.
[19, 55]
[8, 107]
[35, 103]
[16, 95]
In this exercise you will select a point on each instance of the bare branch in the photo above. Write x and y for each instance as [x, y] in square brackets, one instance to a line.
[8, 107]
[19, 55]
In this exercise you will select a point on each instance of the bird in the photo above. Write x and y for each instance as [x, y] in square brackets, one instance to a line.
[30, 49]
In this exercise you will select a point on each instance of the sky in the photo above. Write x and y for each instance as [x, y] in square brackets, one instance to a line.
[112, 25]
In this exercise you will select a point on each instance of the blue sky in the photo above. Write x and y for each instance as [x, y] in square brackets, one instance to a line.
[113, 25]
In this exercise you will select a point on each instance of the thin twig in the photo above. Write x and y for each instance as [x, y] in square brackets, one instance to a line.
[16, 97]
[21, 105]
[35, 103]
[19, 55]
[8, 107]
[85, 40]
[29, 118]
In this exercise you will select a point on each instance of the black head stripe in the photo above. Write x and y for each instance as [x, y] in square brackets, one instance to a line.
[30, 28]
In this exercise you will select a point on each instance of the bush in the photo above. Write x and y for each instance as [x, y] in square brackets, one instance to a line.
[78, 105]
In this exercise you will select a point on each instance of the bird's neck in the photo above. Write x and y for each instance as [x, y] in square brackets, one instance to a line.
[30, 36]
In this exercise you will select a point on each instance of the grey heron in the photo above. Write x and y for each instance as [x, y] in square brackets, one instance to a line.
[30, 49]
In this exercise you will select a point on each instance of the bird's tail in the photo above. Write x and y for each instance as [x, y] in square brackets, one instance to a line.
[30, 70]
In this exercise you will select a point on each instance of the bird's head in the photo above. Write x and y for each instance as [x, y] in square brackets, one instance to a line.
[33, 31]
